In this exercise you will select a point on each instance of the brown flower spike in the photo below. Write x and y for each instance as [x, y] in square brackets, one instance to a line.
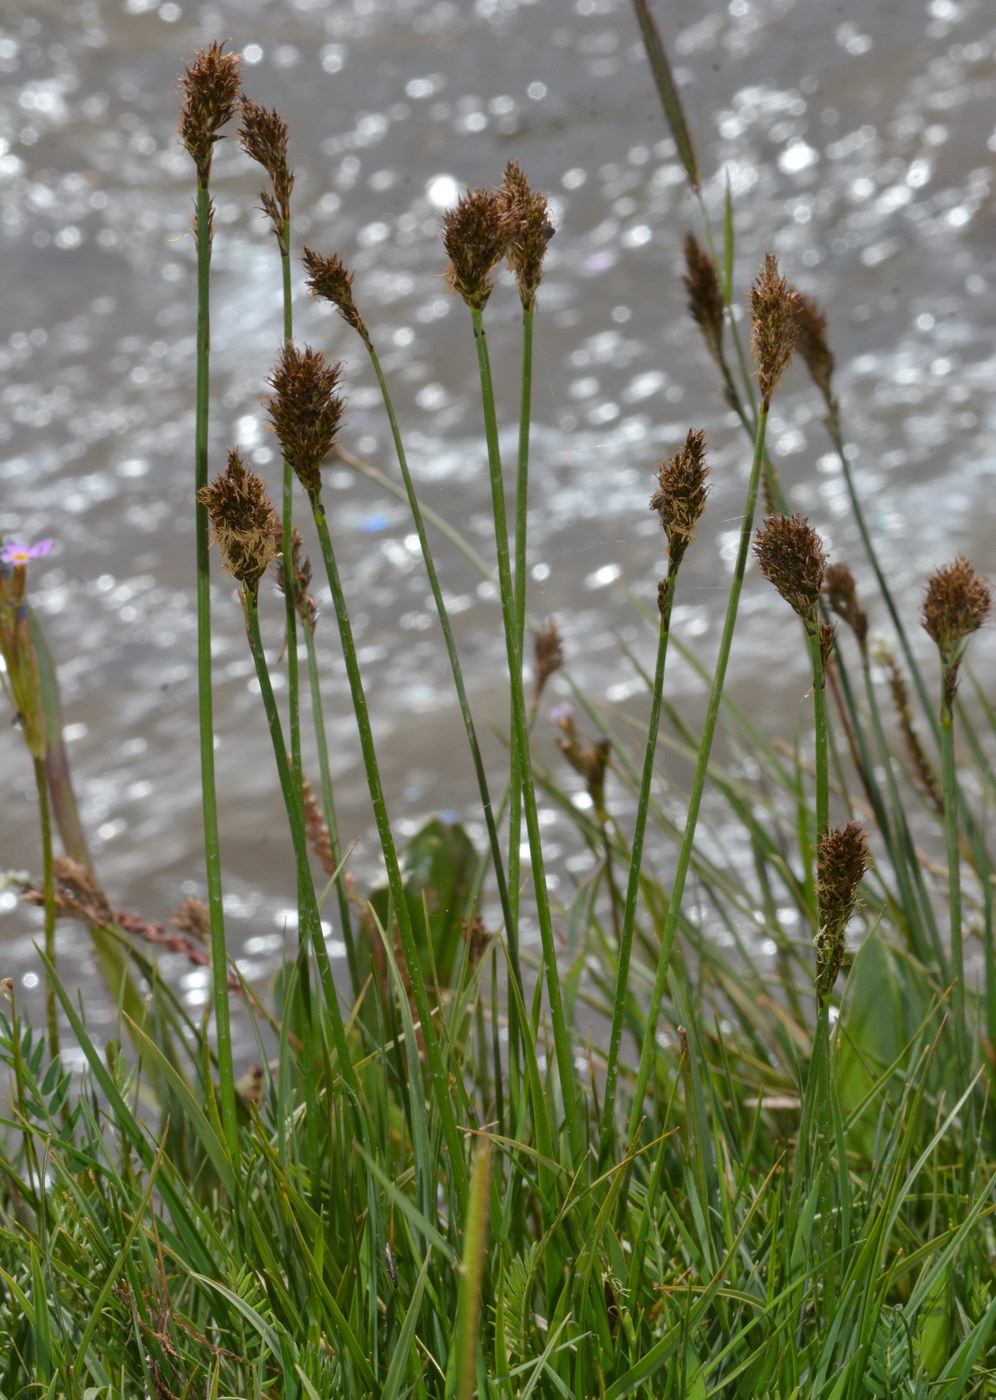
[527, 216]
[791, 556]
[329, 278]
[210, 87]
[300, 574]
[305, 411]
[705, 300]
[548, 656]
[476, 238]
[842, 595]
[681, 495]
[263, 134]
[812, 346]
[841, 861]
[773, 306]
[957, 602]
[243, 522]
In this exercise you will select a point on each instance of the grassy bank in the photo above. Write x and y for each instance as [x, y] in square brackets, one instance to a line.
[770, 1175]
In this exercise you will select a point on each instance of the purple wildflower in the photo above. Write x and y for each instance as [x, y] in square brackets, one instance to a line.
[15, 552]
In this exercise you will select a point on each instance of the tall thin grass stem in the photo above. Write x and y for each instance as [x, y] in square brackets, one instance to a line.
[437, 1069]
[205, 701]
[290, 787]
[520, 747]
[685, 851]
[633, 882]
[328, 808]
[455, 666]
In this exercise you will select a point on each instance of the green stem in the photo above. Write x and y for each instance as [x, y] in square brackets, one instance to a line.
[698, 781]
[821, 732]
[521, 531]
[48, 879]
[455, 666]
[633, 883]
[328, 807]
[520, 746]
[437, 1069]
[949, 792]
[311, 924]
[209, 800]
[287, 540]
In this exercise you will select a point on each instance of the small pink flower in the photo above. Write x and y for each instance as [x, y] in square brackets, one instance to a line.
[15, 552]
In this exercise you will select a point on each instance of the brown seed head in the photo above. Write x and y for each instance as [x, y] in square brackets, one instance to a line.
[193, 916]
[681, 495]
[842, 595]
[920, 764]
[300, 573]
[957, 602]
[476, 238]
[210, 87]
[812, 345]
[527, 215]
[242, 522]
[329, 279]
[772, 304]
[263, 134]
[841, 861]
[705, 300]
[305, 411]
[791, 556]
[548, 656]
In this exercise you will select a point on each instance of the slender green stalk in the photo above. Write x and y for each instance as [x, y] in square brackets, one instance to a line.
[521, 533]
[287, 536]
[310, 917]
[949, 793]
[48, 879]
[205, 702]
[562, 1045]
[821, 737]
[437, 1068]
[328, 806]
[633, 883]
[455, 666]
[698, 780]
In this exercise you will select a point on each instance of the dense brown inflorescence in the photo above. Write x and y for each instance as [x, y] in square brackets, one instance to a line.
[263, 134]
[528, 231]
[330, 279]
[841, 861]
[244, 524]
[476, 238]
[705, 300]
[681, 495]
[210, 85]
[773, 307]
[305, 411]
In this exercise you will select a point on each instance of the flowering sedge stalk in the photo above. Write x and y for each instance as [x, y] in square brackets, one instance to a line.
[244, 525]
[210, 86]
[329, 280]
[679, 502]
[790, 555]
[528, 231]
[841, 595]
[305, 412]
[772, 304]
[957, 603]
[263, 135]
[475, 235]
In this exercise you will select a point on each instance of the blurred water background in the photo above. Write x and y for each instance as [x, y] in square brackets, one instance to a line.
[859, 142]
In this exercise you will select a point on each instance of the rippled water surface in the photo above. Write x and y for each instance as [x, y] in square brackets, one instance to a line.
[859, 143]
